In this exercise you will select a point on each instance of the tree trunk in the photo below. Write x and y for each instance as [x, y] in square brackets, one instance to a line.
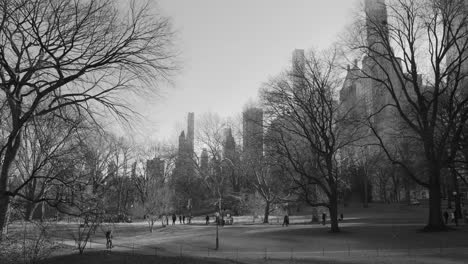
[334, 214]
[366, 199]
[456, 198]
[267, 212]
[30, 209]
[43, 211]
[4, 213]
[435, 222]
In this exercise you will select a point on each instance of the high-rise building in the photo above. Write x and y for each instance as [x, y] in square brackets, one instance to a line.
[186, 140]
[363, 95]
[204, 162]
[253, 132]
[155, 170]
[229, 144]
[298, 67]
[190, 132]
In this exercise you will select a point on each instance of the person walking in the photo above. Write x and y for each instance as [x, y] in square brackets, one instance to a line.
[455, 217]
[207, 218]
[183, 219]
[109, 239]
[446, 216]
[174, 219]
[324, 218]
[286, 221]
[180, 219]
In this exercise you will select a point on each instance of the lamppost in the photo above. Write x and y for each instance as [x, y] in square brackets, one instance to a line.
[217, 225]
[219, 184]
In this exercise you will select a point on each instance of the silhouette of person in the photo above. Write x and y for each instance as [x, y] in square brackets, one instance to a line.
[286, 220]
[174, 218]
[324, 218]
[109, 239]
[207, 218]
[446, 216]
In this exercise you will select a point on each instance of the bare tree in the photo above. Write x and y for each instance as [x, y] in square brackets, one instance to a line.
[415, 62]
[79, 54]
[308, 127]
[268, 183]
[47, 144]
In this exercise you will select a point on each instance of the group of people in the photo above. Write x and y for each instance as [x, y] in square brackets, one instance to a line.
[324, 219]
[181, 219]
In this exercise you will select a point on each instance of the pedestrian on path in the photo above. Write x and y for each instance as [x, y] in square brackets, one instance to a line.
[446, 216]
[286, 221]
[180, 219]
[207, 218]
[109, 239]
[324, 218]
[174, 219]
[183, 219]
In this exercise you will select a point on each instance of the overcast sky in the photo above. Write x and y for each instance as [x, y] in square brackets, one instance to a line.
[230, 47]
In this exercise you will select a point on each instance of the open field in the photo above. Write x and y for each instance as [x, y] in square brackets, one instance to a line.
[380, 234]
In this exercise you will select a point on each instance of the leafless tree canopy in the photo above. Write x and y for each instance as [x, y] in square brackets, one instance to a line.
[76, 54]
[308, 126]
[416, 63]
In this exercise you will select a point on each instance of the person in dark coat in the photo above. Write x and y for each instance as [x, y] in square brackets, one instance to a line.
[109, 239]
[183, 219]
[180, 219]
[207, 218]
[324, 218]
[174, 219]
[286, 220]
[446, 216]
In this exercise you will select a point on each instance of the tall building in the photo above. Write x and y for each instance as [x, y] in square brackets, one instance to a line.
[204, 169]
[190, 132]
[297, 69]
[252, 138]
[363, 95]
[229, 144]
[186, 140]
[155, 170]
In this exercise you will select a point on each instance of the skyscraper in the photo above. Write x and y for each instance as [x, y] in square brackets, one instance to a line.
[190, 132]
[253, 132]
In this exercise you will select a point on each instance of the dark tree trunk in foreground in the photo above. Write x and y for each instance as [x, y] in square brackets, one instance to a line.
[267, 212]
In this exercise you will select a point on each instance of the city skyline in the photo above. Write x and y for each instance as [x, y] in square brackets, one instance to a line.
[225, 63]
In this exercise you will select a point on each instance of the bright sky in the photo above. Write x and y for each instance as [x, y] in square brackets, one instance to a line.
[230, 47]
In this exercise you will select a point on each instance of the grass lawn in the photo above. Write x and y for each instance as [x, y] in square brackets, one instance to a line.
[104, 257]
[382, 234]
